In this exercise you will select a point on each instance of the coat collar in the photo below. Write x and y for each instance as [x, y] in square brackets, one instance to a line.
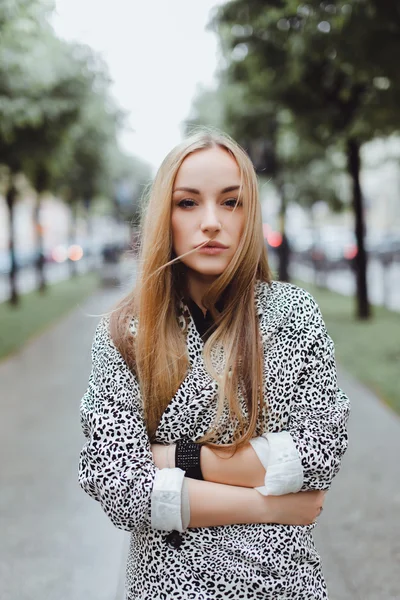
[195, 399]
[185, 318]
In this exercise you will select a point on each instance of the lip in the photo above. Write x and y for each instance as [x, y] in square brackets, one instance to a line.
[212, 250]
[213, 244]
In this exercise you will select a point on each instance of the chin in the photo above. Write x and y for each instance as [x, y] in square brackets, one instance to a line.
[211, 270]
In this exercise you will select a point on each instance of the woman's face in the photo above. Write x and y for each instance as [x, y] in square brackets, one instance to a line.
[205, 193]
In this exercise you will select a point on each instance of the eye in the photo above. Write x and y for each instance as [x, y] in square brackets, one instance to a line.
[186, 203]
[232, 202]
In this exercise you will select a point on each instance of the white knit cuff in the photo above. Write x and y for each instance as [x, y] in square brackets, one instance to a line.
[284, 470]
[261, 448]
[166, 496]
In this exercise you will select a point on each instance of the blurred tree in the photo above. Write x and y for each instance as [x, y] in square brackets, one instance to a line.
[58, 123]
[330, 64]
[132, 176]
[91, 164]
[312, 172]
[19, 22]
[210, 105]
[41, 92]
[60, 94]
[57, 120]
[84, 166]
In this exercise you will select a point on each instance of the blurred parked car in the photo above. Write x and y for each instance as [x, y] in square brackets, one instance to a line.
[334, 254]
[111, 271]
[301, 244]
[24, 258]
[327, 249]
[388, 249]
[4, 262]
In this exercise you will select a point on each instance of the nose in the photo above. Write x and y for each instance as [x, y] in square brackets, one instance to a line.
[210, 221]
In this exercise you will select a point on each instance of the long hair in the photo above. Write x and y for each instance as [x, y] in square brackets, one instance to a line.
[158, 352]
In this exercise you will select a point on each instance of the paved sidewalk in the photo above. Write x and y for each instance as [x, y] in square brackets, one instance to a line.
[358, 534]
[56, 544]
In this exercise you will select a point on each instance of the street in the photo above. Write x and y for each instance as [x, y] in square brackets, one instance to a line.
[57, 543]
[384, 284]
[26, 278]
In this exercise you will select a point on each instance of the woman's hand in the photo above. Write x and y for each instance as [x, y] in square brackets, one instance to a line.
[301, 508]
[163, 456]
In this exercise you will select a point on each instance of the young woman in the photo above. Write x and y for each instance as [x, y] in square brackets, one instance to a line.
[213, 419]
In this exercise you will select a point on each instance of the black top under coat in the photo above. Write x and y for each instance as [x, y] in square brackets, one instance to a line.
[204, 322]
[205, 326]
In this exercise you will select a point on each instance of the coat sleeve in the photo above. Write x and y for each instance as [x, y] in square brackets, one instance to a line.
[319, 409]
[116, 465]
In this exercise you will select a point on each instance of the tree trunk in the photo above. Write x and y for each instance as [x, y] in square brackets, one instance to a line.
[353, 158]
[89, 252]
[11, 196]
[72, 237]
[283, 249]
[41, 184]
[40, 270]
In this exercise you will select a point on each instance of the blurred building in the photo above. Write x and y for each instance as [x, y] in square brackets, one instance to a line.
[381, 184]
[54, 219]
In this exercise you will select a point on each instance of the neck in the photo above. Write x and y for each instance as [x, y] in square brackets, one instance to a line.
[198, 285]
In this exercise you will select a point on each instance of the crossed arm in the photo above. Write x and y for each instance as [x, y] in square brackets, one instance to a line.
[243, 468]
[226, 496]
[118, 467]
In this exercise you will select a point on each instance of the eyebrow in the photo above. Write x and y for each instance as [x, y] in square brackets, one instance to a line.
[231, 188]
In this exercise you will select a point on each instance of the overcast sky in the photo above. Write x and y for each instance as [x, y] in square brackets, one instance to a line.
[157, 51]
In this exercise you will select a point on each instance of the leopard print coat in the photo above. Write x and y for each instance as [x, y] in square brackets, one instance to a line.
[237, 562]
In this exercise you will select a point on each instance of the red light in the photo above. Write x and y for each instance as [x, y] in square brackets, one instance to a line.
[274, 239]
[75, 252]
[351, 252]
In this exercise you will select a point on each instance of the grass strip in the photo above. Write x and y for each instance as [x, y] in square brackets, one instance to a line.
[369, 350]
[37, 311]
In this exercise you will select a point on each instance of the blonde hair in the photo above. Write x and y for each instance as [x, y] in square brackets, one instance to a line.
[158, 352]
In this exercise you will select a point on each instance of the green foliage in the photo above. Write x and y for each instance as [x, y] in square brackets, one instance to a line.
[83, 165]
[209, 108]
[311, 172]
[41, 89]
[370, 351]
[132, 178]
[330, 63]
[305, 168]
[58, 122]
